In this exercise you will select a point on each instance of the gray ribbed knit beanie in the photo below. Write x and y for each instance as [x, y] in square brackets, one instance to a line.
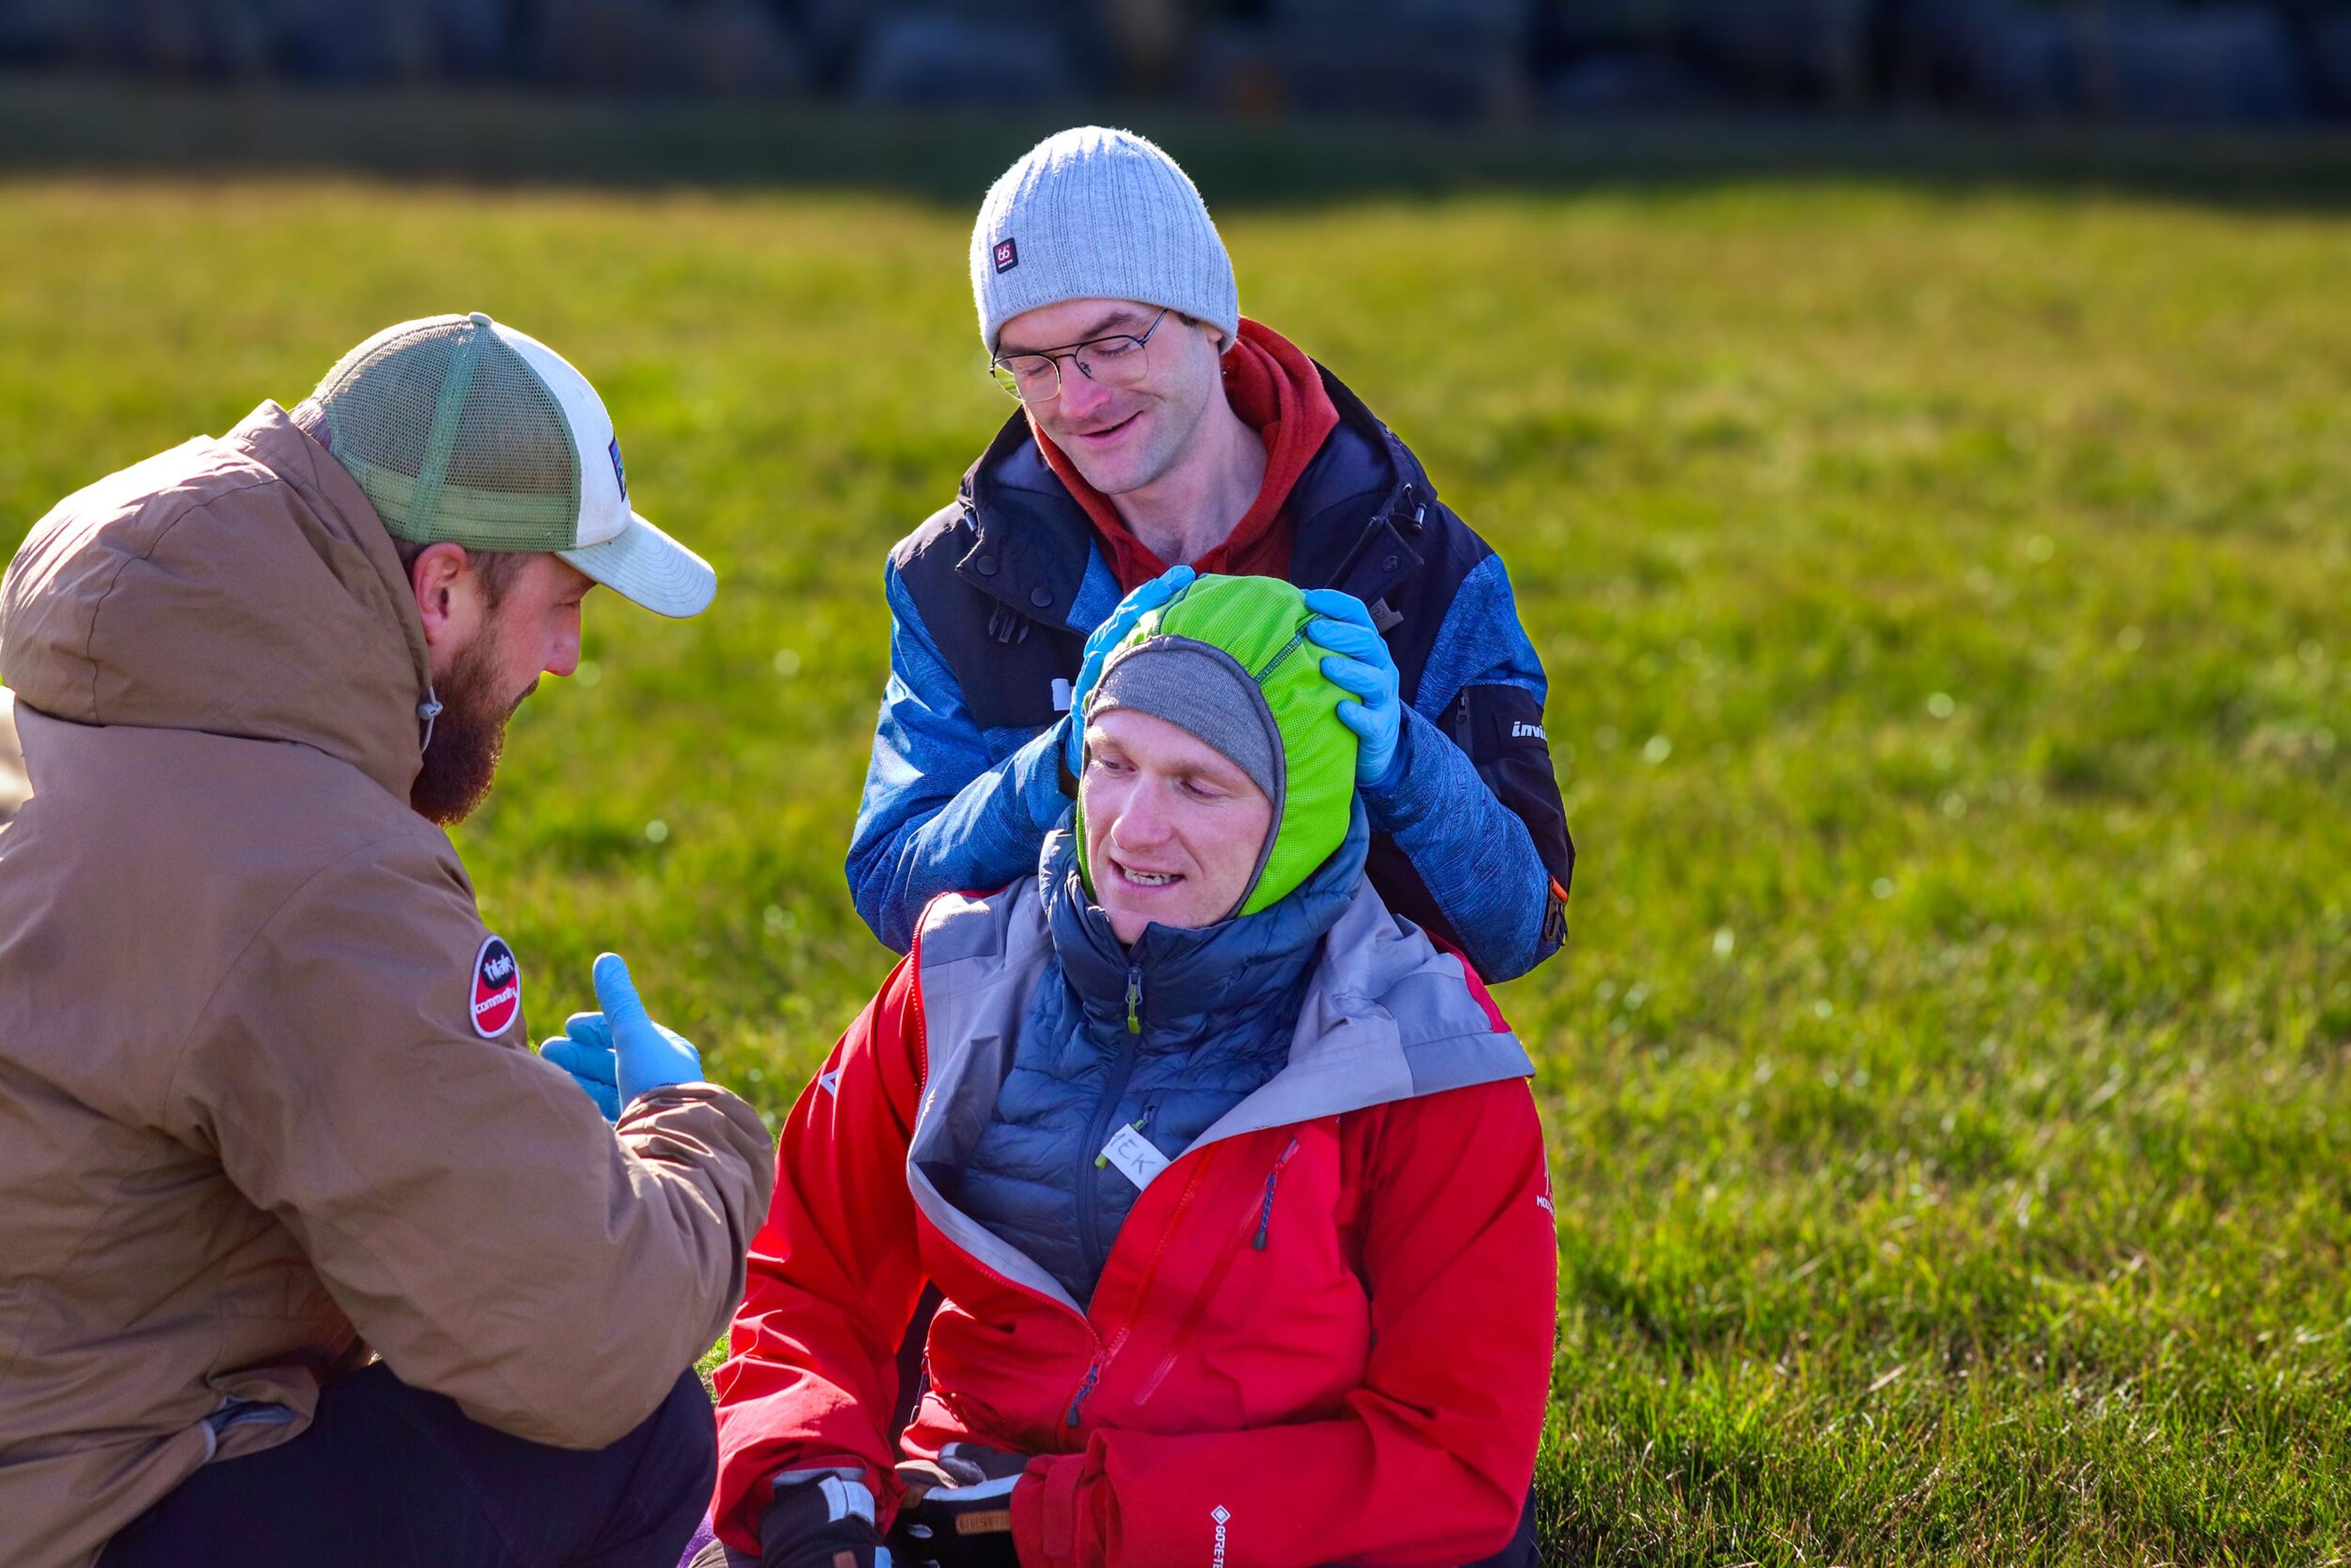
[1092, 213]
[1200, 689]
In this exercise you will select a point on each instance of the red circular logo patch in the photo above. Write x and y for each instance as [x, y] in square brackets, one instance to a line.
[497, 989]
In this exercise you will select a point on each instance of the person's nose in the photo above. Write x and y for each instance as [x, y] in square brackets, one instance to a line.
[1083, 399]
[563, 652]
[1144, 822]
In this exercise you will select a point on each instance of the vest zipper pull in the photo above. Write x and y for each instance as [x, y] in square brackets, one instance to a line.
[1134, 999]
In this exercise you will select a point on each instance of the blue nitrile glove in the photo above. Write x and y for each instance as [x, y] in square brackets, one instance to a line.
[1363, 666]
[584, 1050]
[645, 1056]
[1109, 635]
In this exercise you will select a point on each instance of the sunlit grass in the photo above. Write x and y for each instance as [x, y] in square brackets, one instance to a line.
[1945, 599]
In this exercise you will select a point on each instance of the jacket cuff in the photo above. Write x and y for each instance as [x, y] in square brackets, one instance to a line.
[1414, 783]
[1037, 774]
[740, 1519]
[1045, 1511]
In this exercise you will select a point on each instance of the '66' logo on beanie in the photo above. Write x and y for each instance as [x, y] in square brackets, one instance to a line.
[497, 989]
[1008, 256]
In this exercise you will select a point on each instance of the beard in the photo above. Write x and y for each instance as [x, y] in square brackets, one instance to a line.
[469, 733]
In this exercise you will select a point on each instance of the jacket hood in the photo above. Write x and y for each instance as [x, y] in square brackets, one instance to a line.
[1382, 1017]
[1259, 624]
[240, 586]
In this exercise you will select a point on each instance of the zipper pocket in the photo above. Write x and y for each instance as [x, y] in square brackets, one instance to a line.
[1198, 1307]
[1264, 1213]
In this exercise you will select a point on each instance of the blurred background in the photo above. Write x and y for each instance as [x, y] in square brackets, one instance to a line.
[2169, 62]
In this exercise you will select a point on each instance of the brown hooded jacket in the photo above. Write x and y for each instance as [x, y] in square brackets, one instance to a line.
[249, 1131]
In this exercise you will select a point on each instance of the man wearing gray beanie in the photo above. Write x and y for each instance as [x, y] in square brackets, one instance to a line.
[1159, 433]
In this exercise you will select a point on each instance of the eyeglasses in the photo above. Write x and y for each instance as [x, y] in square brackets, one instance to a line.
[1121, 360]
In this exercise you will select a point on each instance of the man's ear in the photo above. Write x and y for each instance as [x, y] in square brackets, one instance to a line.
[443, 581]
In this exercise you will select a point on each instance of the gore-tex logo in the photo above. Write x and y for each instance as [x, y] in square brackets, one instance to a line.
[1007, 255]
[1222, 1516]
[497, 989]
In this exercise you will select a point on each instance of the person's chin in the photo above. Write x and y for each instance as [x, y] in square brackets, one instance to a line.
[1133, 905]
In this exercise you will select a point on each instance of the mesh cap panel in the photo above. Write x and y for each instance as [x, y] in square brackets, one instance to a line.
[454, 436]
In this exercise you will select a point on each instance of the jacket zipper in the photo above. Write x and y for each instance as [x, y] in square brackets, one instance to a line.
[1113, 1086]
[1093, 1375]
[1103, 1353]
[1101, 1362]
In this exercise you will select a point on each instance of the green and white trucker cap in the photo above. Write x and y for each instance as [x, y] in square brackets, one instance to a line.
[461, 429]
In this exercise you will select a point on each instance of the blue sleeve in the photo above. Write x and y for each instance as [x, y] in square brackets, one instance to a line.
[937, 816]
[1476, 856]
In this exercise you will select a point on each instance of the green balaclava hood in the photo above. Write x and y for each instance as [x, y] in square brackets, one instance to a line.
[1227, 659]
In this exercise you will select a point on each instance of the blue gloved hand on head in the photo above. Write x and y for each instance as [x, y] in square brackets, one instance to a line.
[1361, 663]
[1151, 596]
[619, 1053]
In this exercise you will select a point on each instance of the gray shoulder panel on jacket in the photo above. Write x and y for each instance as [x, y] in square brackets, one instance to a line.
[982, 959]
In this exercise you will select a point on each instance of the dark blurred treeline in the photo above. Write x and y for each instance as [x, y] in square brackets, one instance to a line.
[2196, 62]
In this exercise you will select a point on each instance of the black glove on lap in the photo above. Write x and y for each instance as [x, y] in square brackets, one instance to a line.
[821, 1520]
[957, 1512]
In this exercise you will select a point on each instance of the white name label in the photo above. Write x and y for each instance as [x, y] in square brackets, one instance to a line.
[1136, 1160]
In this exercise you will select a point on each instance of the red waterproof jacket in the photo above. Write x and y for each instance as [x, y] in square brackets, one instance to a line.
[1323, 1335]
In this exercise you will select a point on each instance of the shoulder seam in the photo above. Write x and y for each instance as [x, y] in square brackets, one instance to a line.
[267, 925]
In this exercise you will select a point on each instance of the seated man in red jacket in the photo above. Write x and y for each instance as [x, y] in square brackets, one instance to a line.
[1231, 1181]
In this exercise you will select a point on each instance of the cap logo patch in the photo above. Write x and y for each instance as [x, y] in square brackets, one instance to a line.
[619, 473]
[497, 989]
[1008, 256]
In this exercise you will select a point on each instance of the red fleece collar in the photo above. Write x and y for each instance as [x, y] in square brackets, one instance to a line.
[1275, 389]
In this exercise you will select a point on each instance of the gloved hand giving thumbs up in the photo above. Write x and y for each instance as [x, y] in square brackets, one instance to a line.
[619, 1053]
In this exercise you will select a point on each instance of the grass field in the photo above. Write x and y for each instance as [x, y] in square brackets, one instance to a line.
[1945, 598]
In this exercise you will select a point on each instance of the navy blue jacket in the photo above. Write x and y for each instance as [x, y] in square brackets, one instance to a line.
[992, 597]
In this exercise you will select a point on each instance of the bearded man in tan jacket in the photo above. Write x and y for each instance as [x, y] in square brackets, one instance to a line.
[305, 1256]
